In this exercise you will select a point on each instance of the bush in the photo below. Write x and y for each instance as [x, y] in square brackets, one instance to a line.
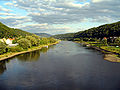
[15, 49]
[24, 43]
[37, 38]
[104, 42]
[52, 40]
[32, 40]
[117, 41]
[44, 40]
[2, 47]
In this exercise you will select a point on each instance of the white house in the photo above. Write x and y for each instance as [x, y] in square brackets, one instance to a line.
[9, 41]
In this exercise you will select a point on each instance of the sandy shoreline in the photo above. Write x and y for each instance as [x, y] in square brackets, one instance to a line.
[29, 50]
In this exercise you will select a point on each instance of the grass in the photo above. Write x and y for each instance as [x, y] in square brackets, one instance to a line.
[111, 49]
[33, 48]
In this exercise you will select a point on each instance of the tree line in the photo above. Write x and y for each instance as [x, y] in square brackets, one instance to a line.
[107, 30]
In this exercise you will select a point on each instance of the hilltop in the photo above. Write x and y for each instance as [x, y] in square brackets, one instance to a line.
[43, 34]
[7, 32]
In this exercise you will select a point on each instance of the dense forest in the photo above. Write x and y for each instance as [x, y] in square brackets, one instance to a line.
[7, 32]
[107, 30]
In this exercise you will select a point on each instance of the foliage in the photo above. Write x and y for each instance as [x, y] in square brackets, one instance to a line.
[51, 40]
[15, 49]
[24, 43]
[107, 30]
[32, 40]
[44, 40]
[6, 32]
[2, 47]
[37, 39]
[117, 41]
[104, 42]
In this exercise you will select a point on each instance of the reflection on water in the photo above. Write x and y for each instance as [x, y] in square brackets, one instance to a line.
[31, 56]
[27, 57]
[65, 66]
[3, 66]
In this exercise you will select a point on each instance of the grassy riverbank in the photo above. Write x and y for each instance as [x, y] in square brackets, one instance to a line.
[34, 48]
[111, 53]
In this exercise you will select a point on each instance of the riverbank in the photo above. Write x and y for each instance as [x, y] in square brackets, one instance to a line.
[13, 54]
[109, 55]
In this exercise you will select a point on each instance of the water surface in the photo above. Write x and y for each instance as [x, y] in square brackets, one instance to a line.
[65, 66]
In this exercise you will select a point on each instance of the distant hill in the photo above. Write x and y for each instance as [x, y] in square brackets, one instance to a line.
[43, 34]
[107, 30]
[7, 32]
[67, 36]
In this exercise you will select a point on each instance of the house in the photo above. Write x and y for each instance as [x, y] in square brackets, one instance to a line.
[9, 41]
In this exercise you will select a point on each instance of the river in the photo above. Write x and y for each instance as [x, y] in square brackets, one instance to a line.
[65, 66]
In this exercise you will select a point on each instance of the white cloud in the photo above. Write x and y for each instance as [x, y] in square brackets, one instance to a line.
[8, 14]
[97, 1]
[44, 14]
[4, 9]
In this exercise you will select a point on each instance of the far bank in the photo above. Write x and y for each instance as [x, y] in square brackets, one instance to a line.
[109, 55]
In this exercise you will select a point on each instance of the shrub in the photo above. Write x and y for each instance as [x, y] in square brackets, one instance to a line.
[24, 43]
[52, 40]
[2, 47]
[44, 40]
[104, 42]
[15, 49]
[32, 40]
[37, 38]
[117, 41]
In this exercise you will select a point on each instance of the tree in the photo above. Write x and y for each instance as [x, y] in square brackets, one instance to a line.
[117, 41]
[52, 40]
[44, 40]
[24, 43]
[32, 40]
[37, 38]
[2, 47]
[104, 42]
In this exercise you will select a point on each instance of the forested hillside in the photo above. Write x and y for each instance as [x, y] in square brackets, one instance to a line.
[7, 32]
[107, 30]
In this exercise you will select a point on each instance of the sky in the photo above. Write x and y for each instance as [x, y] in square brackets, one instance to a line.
[58, 16]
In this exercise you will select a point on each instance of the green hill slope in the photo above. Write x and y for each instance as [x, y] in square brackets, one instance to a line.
[67, 36]
[7, 32]
[107, 30]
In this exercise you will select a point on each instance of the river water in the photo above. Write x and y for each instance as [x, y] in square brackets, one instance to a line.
[65, 66]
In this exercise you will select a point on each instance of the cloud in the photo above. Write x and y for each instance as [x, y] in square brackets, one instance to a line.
[4, 9]
[62, 12]
[97, 1]
[14, 21]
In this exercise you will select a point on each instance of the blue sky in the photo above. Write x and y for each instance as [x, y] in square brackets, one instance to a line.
[58, 16]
